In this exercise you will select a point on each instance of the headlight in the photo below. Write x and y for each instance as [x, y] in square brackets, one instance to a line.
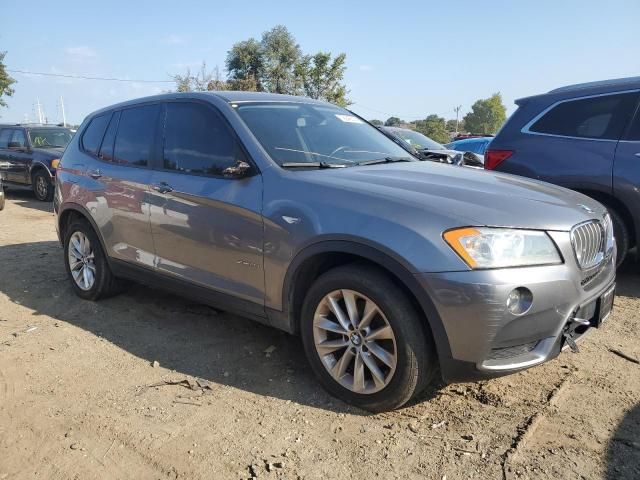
[502, 247]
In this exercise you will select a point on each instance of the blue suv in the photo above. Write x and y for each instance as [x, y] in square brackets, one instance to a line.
[584, 137]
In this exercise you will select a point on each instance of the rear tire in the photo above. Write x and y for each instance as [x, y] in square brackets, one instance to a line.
[86, 263]
[42, 186]
[404, 367]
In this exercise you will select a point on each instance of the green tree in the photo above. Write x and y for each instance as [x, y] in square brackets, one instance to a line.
[393, 121]
[320, 78]
[377, 123]
[433, 127]
[280, 55]
[245, 65]
[5, 81]
[203, 80]
[451, 125]
[486, 115]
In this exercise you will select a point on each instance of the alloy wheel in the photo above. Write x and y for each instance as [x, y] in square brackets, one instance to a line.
[355, 342]
[41, 187]
[82, 261]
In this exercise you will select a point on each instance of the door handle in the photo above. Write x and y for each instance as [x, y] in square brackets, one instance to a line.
[162, 187]
[95, 174]
[638, 154]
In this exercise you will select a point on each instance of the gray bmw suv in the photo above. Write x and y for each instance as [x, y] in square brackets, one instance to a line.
[303, 216]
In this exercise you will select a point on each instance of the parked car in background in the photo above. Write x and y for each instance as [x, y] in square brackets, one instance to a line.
[1, 194]
[302, 216]
[477, 145]
[585, 137]
[29, 156]
[425, 148]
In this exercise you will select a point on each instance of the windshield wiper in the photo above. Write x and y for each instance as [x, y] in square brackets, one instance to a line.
[311, 165]
[386, 160]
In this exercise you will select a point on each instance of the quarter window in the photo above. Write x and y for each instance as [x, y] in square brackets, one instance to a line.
[602, 117]
[197, 140]
[93, 134]
[136, 134]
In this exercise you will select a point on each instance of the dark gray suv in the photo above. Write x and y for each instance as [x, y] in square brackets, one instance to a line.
[304, 217]
[585, 137]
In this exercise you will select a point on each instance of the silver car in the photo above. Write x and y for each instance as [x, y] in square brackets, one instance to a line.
[300, 215]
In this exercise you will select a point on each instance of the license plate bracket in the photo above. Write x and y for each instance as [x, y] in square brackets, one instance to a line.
[605, 306]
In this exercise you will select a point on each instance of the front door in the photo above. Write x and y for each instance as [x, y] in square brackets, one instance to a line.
[14, 159]
[626, 169]
[207, 228]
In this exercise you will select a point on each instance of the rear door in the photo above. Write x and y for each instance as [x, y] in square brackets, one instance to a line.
[207, 228]
[626, 170]
[121, 180]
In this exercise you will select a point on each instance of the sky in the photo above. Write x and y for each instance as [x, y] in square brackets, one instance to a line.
[407, 59]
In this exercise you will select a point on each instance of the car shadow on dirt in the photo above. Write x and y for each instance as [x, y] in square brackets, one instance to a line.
[623, 452]
[26, 198]
[628, 277]
[190, 339]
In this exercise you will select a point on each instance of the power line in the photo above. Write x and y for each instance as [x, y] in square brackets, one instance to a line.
[83, 77]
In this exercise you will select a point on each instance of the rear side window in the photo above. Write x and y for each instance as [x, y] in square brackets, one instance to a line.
[93, 134]
[196, 140]
[5, 137]
[634, 131]
[106, 150]
[136, 135]
[603, 117]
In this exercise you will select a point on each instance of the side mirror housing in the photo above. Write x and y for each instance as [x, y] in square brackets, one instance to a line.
[239, 170]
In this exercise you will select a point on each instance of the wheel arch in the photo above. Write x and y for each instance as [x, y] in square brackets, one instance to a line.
[320, 257]
[37, 167]
[610, 201]
[71, 212]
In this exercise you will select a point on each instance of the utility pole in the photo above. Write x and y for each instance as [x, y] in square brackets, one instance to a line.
[64, 118]
[39, 110]
[457, 110]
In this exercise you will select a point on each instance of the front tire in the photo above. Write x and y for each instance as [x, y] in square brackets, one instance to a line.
[42, 186]
[621, 233]
[364, 339]
[86, 263]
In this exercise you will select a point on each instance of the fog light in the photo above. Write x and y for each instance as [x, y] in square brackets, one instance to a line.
[519, 300]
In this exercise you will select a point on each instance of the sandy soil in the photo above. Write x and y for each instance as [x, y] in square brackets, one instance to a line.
[80, 396]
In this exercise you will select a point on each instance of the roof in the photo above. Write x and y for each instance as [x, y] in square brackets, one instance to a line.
[472, 139]
[588, 88]
[35, 125]
[225, 95]
[629, 82]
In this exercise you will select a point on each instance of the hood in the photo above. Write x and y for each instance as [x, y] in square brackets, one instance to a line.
[465, 196]
[53, 152]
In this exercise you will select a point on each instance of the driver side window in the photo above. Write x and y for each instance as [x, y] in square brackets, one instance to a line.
[18, 140]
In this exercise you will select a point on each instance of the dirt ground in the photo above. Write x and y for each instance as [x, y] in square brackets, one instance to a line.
[81, 394]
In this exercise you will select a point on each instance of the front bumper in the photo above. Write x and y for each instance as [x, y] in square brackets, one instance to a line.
[483, 339]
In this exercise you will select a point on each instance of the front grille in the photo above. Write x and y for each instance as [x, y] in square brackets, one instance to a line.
[589, 241]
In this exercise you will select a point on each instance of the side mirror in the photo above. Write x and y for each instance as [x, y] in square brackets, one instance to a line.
[239, 170]
[473, 159]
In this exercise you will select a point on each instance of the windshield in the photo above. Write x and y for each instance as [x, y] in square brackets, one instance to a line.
[299, 132]
[50, 137]
[417, 140]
